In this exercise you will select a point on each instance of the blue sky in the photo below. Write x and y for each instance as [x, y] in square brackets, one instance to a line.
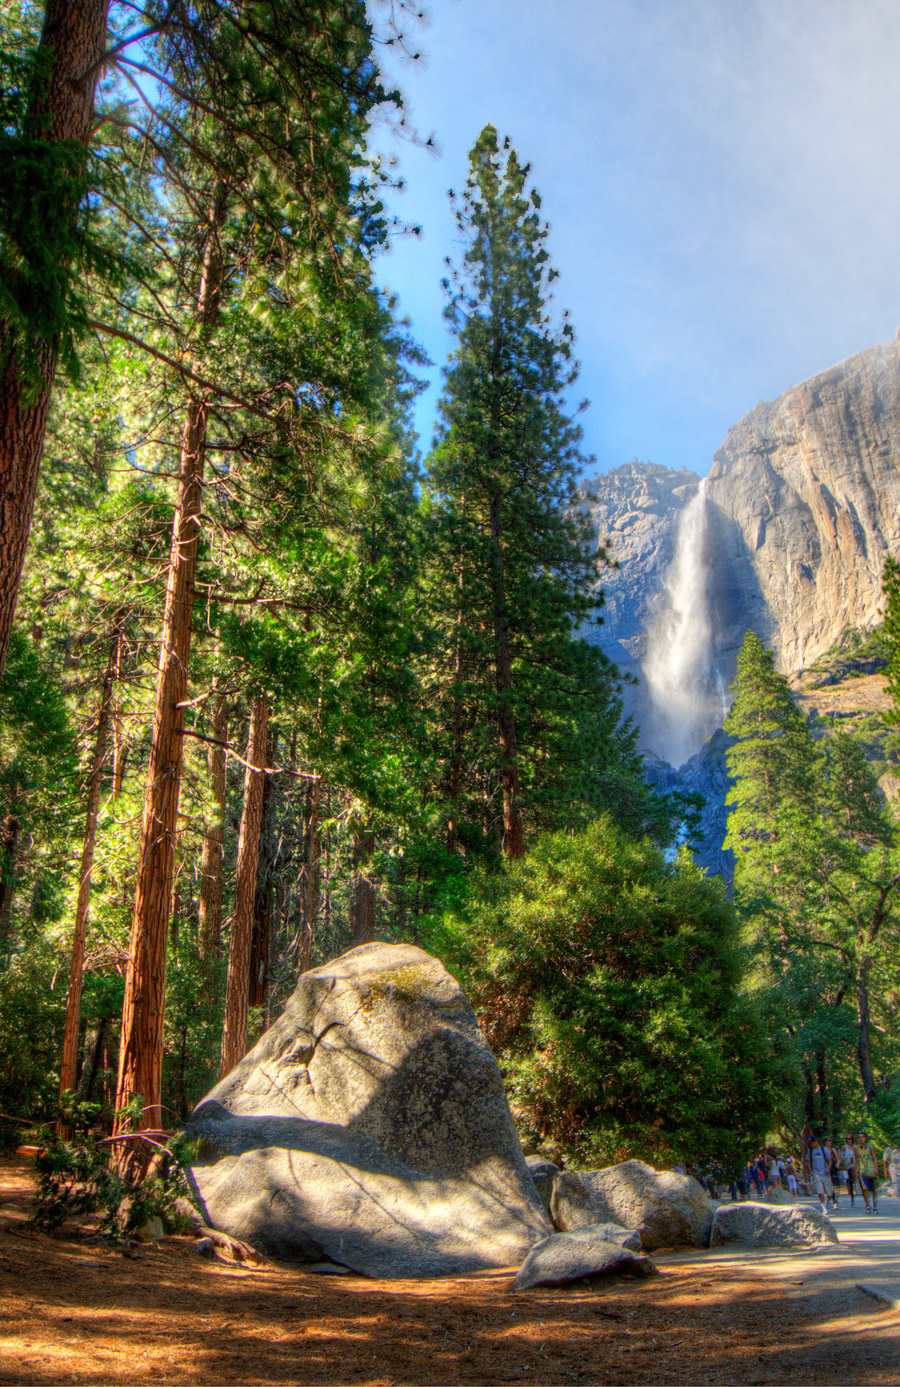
[722, 181]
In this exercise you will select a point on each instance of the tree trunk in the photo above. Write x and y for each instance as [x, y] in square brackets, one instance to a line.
[141, 1045]
[213, 853]
[312, 886]
[92, 1061]
[234, 1033]
[363, 901]
[863, 1058]
[61, 109]
[9, 841]
[120, 750]
[513, 840]
[822, 1085]
[69, 1066]
[456, 755]
[258, 971]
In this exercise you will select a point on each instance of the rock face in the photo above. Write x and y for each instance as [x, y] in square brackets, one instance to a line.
[803, 507]
[807, 492]
[369, 1125]
[761, 1225]
[572, 1256]
[636, 511]
[666, 1208]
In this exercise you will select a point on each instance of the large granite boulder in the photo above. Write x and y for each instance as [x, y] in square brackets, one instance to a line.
[573, 1256]
[668, 1209]
[369, 1126]
[762, 1225]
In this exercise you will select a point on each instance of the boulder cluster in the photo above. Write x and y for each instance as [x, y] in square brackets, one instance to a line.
[368, 1129]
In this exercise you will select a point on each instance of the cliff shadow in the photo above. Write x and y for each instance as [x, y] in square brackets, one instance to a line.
[737, 604]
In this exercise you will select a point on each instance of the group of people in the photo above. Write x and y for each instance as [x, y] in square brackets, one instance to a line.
[830, 1169]
[824, 1169]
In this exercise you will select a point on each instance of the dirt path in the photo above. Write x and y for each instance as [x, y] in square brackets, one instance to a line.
[74, 1310]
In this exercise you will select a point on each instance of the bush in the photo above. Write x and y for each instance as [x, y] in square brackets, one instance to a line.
[609, 983]
[76, 1180]
[32, 1020]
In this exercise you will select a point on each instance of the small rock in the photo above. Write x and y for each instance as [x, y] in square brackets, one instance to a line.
[151, 1230]
[204, 1247]
[573, 1256]
[760, 1225]
[669, 1209]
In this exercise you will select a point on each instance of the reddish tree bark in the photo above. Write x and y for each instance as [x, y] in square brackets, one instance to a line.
[363, 901]
[258, 971]
[69, 1067]
[212, 855]
[9, 842]
[141, 1044]
[61, 110]
[312, 892]
[234, 1033]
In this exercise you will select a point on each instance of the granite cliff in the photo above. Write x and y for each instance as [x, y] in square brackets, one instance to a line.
[802, 506]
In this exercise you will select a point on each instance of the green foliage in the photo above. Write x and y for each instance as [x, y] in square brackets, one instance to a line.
[32, 1017]
[770, 758]
[816, 879]
[54, 245]
[891, 584]
[78, 1180]
[882, 1118]
[195, 991]
[610, 985]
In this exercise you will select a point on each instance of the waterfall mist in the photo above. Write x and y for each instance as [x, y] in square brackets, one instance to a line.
[685, 689]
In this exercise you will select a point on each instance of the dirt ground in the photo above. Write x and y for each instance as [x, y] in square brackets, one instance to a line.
[73, 1309]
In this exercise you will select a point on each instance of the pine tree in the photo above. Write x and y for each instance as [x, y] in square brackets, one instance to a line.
[771, 756]
[815, 862]
[511, 573]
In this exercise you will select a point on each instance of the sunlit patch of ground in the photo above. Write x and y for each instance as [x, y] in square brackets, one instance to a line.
[75, 1310]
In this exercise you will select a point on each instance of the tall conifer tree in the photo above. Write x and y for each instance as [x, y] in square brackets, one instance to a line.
[512, 571]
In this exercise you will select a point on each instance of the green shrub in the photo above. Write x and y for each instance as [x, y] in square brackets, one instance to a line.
[609, 982]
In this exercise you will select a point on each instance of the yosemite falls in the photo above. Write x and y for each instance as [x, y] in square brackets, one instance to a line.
[686, 691]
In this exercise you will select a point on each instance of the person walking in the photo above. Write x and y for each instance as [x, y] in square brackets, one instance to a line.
[832, 1169]
[848, 1160]
[892, 1169]
[867, 1170]
[819, 1167]
[791, 1177]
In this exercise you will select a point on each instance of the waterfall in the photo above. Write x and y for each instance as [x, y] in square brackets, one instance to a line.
[686, 691]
